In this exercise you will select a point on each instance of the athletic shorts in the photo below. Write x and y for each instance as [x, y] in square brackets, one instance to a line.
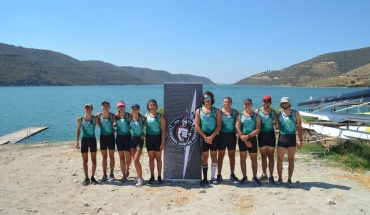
[287, 140]
[227, 139]
[243, 147]
[88, 142]
[136, 142]
[123, 142]
[153, 142]
[107, 141]
[206, 147]
[267, 139]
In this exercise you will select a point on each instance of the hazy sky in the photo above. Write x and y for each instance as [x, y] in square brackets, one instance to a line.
[225, 41]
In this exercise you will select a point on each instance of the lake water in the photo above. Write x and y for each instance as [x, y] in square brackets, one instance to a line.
[58, 106]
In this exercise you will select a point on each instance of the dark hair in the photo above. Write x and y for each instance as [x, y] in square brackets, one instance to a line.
[154, 101]
[210, 94]
[228, 98]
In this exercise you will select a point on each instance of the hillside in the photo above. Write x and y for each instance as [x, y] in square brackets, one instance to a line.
[34, 67]
[160, 76]
[337, 69]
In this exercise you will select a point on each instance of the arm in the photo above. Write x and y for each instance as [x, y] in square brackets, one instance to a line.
[197, 124]
[299, 128]
[219, 125]
[238, 126]
[143, 120]
[114, 123]
[258, 127]
[78, 132]
[164, 132]
[97, 119]
[276, 120]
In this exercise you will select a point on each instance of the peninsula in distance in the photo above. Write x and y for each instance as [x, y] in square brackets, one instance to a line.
[35, 67]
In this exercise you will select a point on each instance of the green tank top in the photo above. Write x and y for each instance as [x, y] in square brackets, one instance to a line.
[136, 127]
[287, 124]
[88, 127]
[248, 123]
[208, 121]
[123, 126]
[106, 124]
[153, 124]
[267, 120]
[228, 122]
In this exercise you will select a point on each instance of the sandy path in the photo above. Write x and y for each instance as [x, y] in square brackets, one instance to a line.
[46, 179]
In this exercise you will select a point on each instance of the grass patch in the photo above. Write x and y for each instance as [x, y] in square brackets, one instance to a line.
[351, 155]
[308, 147]
[354, 155]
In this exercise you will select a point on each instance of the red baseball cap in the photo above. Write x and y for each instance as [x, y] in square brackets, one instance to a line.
[267, 98]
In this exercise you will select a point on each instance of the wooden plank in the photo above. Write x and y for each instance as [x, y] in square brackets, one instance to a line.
[21, 134]
[2, 142]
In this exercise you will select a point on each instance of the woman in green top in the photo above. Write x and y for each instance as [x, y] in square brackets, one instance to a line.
[87, 124]
[123, 139]
[208, 124]
[137, 124]
[105, 121]
[227, 138]
[155, 137]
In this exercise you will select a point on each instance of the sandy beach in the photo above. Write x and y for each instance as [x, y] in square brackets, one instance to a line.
[46, 179]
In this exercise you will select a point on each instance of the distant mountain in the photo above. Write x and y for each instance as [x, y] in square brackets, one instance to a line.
[160, 76]
[34, 67]
[337, 69]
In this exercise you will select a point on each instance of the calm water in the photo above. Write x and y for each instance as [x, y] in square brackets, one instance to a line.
[57, 107]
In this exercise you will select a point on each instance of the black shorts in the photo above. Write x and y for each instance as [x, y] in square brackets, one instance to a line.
[88, 142]
[243, 147]
[267, 139]
[227, 139]
[287, 140]
[107, 141]
[136, 142]
[153, 142]
[206, 147]
[123, 142]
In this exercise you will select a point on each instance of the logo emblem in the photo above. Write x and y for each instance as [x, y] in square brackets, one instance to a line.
[181, 131]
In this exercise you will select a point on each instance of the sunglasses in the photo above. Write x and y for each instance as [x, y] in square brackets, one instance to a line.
[207, 98]
[266, 101]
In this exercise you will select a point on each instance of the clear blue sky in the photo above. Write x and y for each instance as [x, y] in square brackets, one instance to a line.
[225, 41]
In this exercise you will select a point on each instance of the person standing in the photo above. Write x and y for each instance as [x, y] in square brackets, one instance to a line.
[155, 138]
[105, 121]
[123, 139]
[248, 125]
[88, 141]
[137, 124]
[266, 138]
[289, 123]
[227, 138]
[208, 124]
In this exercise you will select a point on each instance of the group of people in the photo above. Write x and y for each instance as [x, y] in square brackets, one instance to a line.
[129, 139]
[218, 129]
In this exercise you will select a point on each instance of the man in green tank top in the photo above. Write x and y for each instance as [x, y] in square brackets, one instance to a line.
[266, 138]
[289, 123]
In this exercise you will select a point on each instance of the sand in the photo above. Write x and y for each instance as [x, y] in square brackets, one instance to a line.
[46, 179]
